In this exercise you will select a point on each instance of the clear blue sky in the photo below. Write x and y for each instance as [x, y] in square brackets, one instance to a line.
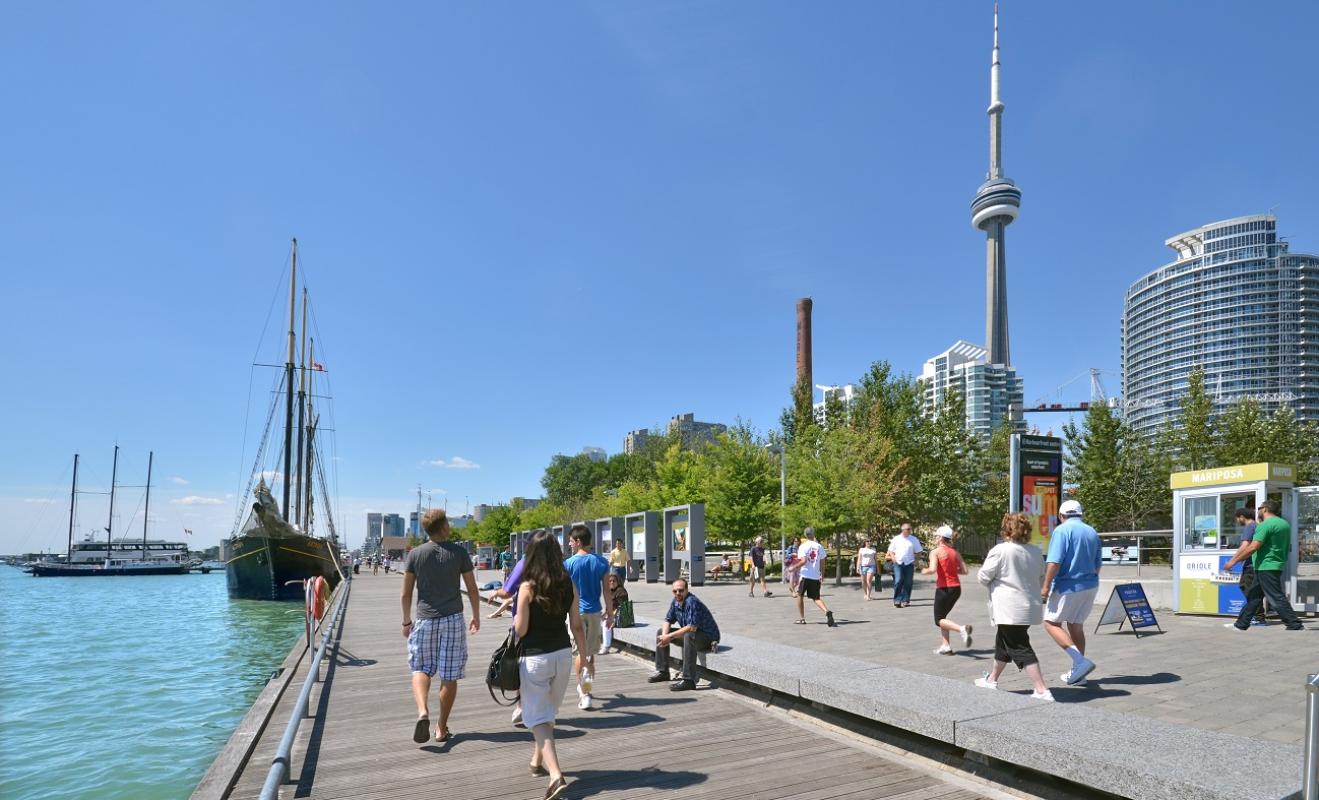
[533, 227]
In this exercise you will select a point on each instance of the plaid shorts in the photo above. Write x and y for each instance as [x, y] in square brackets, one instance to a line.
[439, 646]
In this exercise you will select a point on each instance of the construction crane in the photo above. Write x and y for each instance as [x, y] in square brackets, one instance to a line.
[1098, 395]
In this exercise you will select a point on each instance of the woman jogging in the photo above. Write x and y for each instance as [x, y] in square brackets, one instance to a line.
[947, 566]
[548, 602]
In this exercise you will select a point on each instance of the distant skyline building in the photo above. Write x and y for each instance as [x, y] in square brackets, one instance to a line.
[693, 432]
[994, 392]
[635, 441]
[845, 394]
[1234, 301]
[480, 510]
[379, 525]
[994, 207]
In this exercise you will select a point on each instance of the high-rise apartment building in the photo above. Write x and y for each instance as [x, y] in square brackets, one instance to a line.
[635, 441]
[694, 433]
[845, 395]
[1236, 302]
[993, 392]
[379, 525]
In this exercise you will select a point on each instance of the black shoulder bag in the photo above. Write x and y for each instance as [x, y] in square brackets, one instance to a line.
[503, 671]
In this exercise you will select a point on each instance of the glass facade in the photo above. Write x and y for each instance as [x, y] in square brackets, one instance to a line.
[993, 392]
[1235, 302]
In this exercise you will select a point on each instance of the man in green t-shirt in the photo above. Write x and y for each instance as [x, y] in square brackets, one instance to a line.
[1268, 550]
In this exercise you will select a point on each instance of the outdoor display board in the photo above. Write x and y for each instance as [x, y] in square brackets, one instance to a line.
[1205, 588]
[1036, 474]
[1128, 603]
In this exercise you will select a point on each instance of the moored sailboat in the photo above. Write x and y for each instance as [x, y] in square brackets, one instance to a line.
[276, 548]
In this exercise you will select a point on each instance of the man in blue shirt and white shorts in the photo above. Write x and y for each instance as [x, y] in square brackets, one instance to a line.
[595, 604]
[1071, 581]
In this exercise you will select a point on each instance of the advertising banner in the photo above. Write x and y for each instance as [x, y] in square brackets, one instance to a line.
[1037, 482]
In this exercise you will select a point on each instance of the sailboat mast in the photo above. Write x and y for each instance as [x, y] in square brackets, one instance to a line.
[73, 503]
[146, 511]
[311, 434]
[302, 400]
[288, 382]
[305, 476]
[109, 528]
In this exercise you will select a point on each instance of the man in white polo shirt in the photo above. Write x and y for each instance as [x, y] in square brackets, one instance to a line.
[811, 554]
[902, 552]
[1071, 581]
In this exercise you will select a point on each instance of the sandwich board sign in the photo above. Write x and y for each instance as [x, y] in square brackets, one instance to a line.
[1128, 603]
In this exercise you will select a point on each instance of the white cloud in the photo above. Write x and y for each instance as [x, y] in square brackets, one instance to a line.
[180, 481]
[197, 500]
[457, 462]
[43, 500]
[270, 475]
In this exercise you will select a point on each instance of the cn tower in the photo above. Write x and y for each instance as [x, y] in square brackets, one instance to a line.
[993, 209]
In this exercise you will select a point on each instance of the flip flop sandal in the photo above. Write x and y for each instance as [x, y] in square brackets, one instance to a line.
[446, 737]
[422, 731]
[539, 771]
[799, 622]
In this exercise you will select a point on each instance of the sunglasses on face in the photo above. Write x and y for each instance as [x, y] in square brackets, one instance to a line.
[680, 591]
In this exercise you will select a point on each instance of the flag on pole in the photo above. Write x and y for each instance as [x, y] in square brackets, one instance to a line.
[187, 531]
[316, 365]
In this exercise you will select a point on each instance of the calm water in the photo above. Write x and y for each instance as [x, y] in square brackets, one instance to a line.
[127, 687]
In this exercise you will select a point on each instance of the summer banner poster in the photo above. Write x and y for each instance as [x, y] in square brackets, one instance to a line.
[1039, 501]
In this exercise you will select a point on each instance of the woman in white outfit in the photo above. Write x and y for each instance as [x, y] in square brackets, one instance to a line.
[1013, 571]
[547, 606]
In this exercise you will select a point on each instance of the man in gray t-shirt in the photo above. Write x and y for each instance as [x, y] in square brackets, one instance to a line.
[437, 641]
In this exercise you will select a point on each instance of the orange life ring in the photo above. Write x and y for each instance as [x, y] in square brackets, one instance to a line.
[317, 593]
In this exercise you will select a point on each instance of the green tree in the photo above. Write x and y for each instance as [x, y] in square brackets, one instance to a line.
[1193, 436]
[1289, 441]
[1241, 434]
[1093, 456]
[992, 489]
[572, 479]
[743, 486]
[1143, 494]
[681, 477]
[498, 523]
[944, 489]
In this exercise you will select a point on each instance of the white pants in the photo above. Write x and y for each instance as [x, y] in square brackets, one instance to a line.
[544, 682]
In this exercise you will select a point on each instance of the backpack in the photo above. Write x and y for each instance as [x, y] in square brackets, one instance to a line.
[503, 671]
[626, 617]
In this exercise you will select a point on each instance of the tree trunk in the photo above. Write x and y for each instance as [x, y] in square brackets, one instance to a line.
[838, 567]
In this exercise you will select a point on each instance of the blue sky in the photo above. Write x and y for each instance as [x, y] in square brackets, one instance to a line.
[531, 228]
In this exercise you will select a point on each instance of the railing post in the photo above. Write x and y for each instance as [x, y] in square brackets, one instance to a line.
[1310, 763]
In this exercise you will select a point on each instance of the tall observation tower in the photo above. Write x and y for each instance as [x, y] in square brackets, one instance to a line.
[994, 207]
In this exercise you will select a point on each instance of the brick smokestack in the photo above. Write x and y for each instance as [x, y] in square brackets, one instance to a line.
[804, 343]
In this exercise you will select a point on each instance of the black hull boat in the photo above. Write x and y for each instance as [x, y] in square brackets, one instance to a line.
[273, 554]
[271, 559]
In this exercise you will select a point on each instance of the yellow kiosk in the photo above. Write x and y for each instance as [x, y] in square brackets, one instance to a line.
[1205, 532]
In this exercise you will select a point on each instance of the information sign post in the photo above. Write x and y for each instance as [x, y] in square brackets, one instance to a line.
[1036, 476]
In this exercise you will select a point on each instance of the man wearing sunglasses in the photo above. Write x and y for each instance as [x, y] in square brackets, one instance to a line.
[697, 631]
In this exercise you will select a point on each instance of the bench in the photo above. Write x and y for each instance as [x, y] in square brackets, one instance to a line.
[734, 573]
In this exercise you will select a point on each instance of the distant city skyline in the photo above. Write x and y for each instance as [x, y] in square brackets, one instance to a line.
[557, 223]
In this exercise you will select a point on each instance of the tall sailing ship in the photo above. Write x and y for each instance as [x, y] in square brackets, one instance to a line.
[276, 548]
[121, 556]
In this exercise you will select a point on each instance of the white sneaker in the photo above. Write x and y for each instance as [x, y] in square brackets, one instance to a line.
[1046, 696]
[585, 703]
[1234, 627]
[585, 682]
[943, 650]
[517, 717]
[986, 683]
[966, 636]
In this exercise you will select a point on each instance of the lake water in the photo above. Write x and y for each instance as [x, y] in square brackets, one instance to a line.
[127, 687]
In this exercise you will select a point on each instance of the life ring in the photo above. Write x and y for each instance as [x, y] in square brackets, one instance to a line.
[317, 593]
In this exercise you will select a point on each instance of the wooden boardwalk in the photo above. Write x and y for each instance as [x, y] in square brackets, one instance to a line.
[641, 741]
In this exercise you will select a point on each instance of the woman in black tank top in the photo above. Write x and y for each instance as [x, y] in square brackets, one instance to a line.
[547, 608]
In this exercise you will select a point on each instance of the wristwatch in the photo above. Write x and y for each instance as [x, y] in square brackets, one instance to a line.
[406, 624]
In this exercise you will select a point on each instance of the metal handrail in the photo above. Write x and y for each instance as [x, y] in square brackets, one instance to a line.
[1138, 535]
[279, 766]
[1310, 762]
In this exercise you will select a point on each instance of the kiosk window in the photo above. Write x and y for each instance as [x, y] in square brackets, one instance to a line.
[1200, 523]
[1229, 503]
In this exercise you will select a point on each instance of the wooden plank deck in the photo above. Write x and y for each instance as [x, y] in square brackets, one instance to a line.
[641, 741]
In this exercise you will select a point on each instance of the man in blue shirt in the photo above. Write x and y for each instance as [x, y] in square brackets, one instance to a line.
[588, 572]
[1245, 517]
[696, 629]
[1071, 581]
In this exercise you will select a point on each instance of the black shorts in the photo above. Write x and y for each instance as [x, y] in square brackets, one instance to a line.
[944, 600]
[810, 587]
[1012, 643]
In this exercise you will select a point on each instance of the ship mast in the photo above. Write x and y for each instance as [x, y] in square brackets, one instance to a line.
[146, 511]
[288, 382]
[302, 403]
[73, 503]
[109, 528]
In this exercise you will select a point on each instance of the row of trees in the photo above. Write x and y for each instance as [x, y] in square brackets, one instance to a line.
[861, 470]
[1121, 477]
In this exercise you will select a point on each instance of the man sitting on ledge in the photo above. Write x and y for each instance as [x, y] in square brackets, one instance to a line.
[696, 629]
